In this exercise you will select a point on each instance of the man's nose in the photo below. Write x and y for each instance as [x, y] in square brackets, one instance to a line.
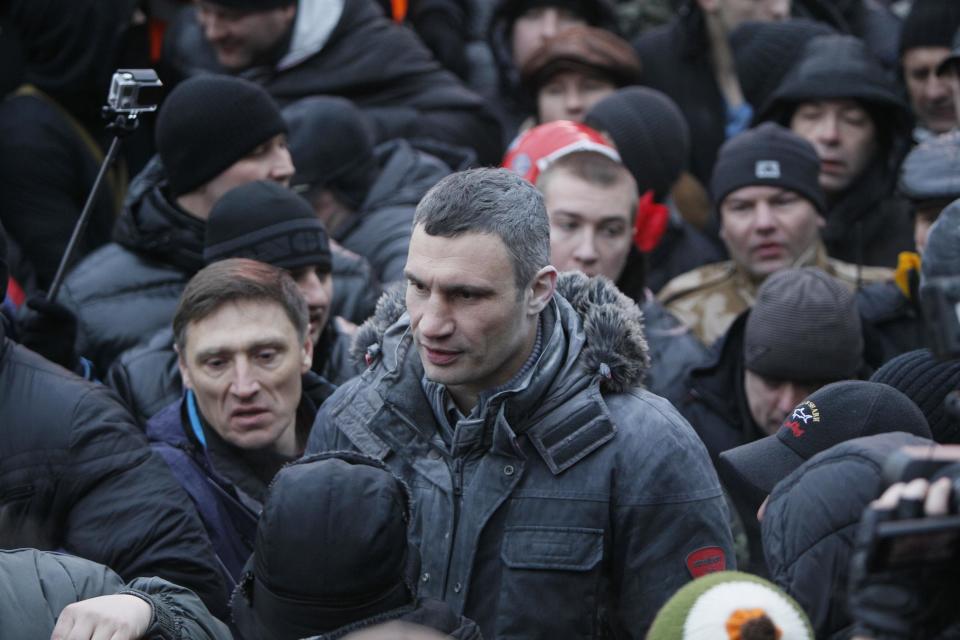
[763, 218]
[245, 383]
[828, 129]
[790, 396]
[311, 286]
[586, 250]
[281, 169]
[435, 319]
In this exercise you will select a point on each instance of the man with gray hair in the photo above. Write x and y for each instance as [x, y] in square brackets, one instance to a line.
[553, 496]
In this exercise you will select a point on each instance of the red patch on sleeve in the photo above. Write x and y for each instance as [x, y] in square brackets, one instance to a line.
[706, 560]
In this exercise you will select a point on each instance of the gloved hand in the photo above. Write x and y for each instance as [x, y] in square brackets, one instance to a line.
[50, 329]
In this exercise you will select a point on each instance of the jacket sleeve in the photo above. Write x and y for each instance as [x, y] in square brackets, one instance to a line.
[178, 614]
[670, 521]
[124, 508]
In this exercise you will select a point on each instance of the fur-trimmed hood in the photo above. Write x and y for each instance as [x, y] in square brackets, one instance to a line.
[614, 346]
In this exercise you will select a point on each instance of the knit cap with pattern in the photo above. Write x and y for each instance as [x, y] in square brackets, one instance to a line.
[927, 381]
[209, 122]
[731, 604]
[803, 327]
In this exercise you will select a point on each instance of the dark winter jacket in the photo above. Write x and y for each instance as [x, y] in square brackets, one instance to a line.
[893, 323]
[226, 485]
[682, 248]
[676, 61]
[811, 519]
[572, 505]
[380, 231]
[364, 57]
[355, 287]
[36, 586]
[674, 350]
[867, 224]
[147, 378]
[125, 292]
[48, 162]
[77, 475]
[511, 102]
[870, 20]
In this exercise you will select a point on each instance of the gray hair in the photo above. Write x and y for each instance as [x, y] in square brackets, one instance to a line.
[494, 201]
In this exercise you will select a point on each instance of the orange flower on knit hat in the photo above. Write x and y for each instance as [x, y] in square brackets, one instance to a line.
[740, 617]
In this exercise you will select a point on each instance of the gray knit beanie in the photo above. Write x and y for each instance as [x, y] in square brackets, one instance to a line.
[804, 327]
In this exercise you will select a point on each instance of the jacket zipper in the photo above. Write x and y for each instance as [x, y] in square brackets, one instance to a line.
[457, 500]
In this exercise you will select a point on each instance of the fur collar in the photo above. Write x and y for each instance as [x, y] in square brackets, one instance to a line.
[615, 348]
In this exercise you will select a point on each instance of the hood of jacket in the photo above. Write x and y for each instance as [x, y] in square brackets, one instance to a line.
[809, 526]
[153, 226]
[604, 334]
[406, 174]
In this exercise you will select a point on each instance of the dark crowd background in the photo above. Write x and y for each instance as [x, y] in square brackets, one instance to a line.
[210, 426]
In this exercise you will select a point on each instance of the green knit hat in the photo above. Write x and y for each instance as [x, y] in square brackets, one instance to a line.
[734, 605]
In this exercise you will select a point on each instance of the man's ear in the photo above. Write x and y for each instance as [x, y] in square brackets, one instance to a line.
[542, 288]
[306, 354]
[184, 371]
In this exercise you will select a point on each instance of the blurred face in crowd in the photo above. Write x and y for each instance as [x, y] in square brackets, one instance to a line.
[535, 26]
[844, 136]
[317, 289]
[242, 38]
[243, 363]
[732, 13]
[591, 226]
[767, 228]
[931, 94]
[269, 160]
[771, 401]
[569, 95]
[472, 327]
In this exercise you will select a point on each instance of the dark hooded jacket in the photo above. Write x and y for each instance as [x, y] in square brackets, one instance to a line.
[227, 485]
[52, 139]
[126, 291]
[380, 231]
[867, 224]
[36, 586]
[572, 454]
[809, 526]
[364, 57]
[512, 102]
[76, 474]
[147, 377]
[676, 61]
[870, 20]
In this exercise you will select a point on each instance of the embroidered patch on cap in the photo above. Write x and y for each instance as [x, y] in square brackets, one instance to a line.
[706, 560]
[769, 169]
[805, 413]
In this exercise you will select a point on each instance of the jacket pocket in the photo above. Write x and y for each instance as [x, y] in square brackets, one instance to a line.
[550, 583]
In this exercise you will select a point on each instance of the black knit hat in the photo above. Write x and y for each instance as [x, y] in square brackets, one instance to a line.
[763, 53]
[209, 122]
[331, 143]
[267, 222]
[838, 67]
[804, 327]
[650, 132]
[331, 550]
[833, 414]
[931, 171]
[930, 23]
[768, 155]
[926, 381]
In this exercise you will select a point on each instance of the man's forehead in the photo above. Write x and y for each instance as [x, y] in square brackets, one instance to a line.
[240, 325]
[467, 258]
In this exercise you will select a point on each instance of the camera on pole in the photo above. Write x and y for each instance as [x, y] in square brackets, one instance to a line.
[132, 92]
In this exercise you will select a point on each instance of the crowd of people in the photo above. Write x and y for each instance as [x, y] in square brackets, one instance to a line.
[480, 319]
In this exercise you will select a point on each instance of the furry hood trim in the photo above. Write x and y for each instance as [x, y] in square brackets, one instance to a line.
[615, 348]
